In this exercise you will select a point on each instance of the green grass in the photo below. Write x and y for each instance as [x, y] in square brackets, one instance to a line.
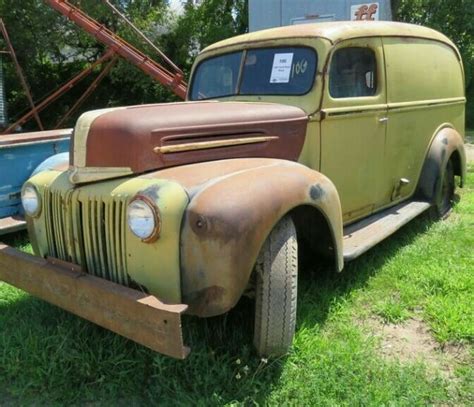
[470, 136]
[49, 357]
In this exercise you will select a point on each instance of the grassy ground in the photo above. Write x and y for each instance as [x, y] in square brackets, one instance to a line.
[470, 136]
[353, 344]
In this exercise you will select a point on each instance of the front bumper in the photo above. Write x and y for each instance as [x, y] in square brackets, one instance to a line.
[127, 312]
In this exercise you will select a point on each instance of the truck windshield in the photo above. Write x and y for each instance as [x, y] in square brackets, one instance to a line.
[263, 71]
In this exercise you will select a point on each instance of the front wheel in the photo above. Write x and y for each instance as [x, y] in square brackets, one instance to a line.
[276, 291]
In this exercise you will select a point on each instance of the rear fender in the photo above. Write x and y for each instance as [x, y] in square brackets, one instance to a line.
[228, 220]
[446, 144]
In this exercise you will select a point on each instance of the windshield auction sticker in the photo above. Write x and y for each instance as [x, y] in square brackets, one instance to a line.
[281, 69]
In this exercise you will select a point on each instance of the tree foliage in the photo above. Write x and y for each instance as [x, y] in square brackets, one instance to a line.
[202, 25]
[454, 18]
[51, 50]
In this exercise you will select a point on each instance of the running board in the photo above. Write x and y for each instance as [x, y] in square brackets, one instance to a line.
[365, 234]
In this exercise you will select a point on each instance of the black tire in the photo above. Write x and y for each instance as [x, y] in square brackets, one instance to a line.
[445, 200]
[276, 291]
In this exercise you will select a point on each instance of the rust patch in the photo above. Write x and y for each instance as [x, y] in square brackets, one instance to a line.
[316, 192]
[152, 192]
[198, 223]
[200, 300]
[229, 218]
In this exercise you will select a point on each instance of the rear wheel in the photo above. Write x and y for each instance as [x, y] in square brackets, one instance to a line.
[276, 291]
[445, 200]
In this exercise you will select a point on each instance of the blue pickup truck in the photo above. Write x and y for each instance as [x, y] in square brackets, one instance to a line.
[21, 155]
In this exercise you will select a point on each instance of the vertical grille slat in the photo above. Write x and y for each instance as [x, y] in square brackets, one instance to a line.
[58, 225]
[93, 231]
[121, 244]
[70, 249]
[77, 231]
[118, 240]
[49, 230]
[84, 234]
[88, 230]
[101, 240]
[110, 240]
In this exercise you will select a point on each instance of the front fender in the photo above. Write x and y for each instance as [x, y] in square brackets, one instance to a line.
[446, 142]
[228, 220]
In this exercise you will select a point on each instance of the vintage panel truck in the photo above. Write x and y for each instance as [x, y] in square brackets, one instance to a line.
[316, 140]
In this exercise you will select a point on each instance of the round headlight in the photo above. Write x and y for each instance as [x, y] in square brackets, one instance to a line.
[143, 219]
[30, 200]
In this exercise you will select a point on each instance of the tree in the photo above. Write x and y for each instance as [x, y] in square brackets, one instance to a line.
[51, 50]
[203, 24]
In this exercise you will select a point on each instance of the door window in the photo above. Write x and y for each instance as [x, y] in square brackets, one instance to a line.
[353, 73]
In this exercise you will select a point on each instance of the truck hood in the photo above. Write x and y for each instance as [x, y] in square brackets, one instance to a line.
[132, 140]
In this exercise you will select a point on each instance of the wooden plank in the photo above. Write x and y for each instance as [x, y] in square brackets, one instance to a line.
[12, 224]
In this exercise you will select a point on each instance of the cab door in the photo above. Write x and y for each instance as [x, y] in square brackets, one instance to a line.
[353, 125]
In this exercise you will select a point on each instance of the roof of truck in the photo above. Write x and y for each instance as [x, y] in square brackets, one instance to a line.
[336, 31]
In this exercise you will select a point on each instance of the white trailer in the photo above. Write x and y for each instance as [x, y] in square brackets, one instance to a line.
[274, 13]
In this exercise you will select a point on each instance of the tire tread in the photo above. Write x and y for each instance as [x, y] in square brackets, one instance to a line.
[276, 291]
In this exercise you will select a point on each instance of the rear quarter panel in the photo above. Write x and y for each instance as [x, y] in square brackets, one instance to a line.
[425, 93]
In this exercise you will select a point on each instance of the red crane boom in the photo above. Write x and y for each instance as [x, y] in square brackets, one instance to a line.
[172, 80]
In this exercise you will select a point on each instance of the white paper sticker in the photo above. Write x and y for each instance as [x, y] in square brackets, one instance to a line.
[281, 69]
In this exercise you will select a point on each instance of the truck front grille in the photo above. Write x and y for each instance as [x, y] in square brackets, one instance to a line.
[89, 231]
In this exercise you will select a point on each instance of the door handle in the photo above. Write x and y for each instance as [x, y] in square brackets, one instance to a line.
[383, 120]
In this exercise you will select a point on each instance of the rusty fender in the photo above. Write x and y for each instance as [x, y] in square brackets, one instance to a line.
[228, 220]
[447, 143]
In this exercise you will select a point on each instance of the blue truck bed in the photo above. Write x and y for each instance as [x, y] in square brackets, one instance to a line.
[20, 154]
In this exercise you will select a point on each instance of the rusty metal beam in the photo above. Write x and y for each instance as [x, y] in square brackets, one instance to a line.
[62, 90]
[144, 37]
[88, 91]
[19, 71]
[174, 81]
[127, 312]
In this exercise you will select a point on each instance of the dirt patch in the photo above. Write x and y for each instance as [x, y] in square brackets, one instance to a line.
[411, 341]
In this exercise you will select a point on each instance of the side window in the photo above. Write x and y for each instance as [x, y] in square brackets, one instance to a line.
[353, 73]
